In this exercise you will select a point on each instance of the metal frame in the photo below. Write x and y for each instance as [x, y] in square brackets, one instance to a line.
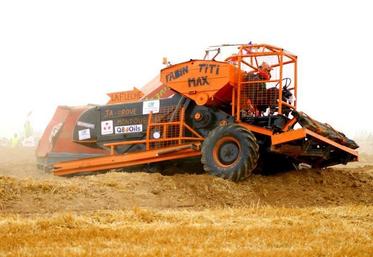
[248, 57]
[126, 160]
[179, 138]
[183, 147]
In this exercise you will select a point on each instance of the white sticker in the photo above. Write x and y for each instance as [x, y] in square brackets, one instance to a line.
[84, 134]
[156, 134]
[106, 127]
[150, 106]
[86, 124]
[56, 128]
[128, 129]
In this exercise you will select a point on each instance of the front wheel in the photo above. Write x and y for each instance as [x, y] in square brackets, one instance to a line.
[230, 152]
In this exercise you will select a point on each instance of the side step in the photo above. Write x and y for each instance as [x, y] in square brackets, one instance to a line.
[125, 160]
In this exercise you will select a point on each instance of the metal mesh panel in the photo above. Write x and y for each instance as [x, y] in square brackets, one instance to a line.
[166, 113]
[260, 91]
[262, 69]
[164, 128]
[257, 96]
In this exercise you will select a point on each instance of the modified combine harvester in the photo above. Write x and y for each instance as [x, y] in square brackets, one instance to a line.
[236, 115]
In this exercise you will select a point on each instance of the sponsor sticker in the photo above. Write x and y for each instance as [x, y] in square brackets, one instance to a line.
[56, 128]
[86, 124]
[128, 129]
[84, 134]
[150, 106]
[107, 127]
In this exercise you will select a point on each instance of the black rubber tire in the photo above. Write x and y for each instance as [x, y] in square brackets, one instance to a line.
[245, 161]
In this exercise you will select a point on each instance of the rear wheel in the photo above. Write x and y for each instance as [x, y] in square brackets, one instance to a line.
[230, 152]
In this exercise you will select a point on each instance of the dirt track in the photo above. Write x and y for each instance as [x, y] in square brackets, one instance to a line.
[29, 198]
[27, 190]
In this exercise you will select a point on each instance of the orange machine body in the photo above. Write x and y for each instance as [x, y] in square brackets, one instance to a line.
[206, 82]
[237, 87]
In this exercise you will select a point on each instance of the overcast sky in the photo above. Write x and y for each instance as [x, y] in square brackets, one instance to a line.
[74, 52]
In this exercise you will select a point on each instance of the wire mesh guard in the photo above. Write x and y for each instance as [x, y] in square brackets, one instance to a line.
[259, 95]
[255, 98]
[267, 82]
[164, 128]
[168, 128]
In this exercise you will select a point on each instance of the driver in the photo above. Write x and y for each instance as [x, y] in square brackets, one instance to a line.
[264, 71]
[256, 93]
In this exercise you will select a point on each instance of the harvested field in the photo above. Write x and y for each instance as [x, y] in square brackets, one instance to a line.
[263, 231]
[299, 213]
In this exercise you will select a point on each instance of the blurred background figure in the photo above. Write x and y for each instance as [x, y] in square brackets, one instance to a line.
[28, 132]
[27, 128]
[14, 141]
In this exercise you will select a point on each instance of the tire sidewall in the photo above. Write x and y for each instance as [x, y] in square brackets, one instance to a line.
[226, 131]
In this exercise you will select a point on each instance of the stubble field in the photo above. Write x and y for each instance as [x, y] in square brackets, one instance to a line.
[299, 213]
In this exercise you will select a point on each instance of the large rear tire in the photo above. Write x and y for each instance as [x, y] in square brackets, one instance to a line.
[230, 152]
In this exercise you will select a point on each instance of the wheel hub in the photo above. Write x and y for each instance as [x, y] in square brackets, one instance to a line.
[228, 152]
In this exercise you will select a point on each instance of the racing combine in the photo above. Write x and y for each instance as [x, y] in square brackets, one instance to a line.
[237, 115]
